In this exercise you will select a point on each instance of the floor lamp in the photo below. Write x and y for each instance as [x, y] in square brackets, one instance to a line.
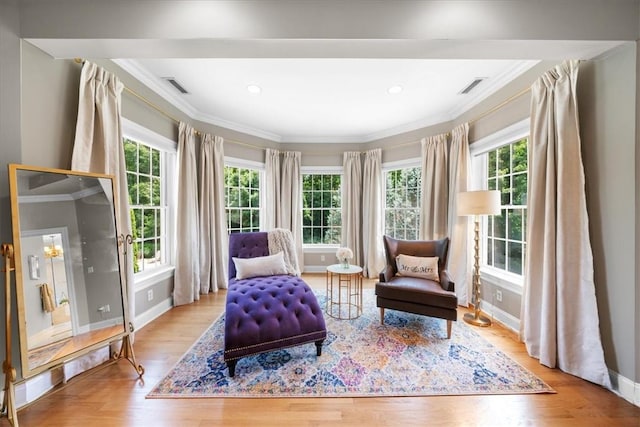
[476, 203]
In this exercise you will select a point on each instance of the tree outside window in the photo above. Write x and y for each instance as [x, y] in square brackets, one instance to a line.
[242, 199]
[402, 203]
[506, 234]
[321, 209]
[144, 183]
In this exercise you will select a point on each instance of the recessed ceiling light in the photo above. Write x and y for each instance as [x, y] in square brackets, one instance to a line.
[254, 89]
[394, 89]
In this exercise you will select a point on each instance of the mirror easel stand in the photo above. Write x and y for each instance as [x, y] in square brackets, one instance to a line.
[8, 402]
[126, 350]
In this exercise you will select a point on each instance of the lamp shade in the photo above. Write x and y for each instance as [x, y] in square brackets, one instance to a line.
[484, 202]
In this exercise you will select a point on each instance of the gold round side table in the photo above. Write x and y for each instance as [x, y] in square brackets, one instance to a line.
[344, 291]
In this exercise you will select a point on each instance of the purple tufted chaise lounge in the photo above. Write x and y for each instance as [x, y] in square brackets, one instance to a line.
[267, 313]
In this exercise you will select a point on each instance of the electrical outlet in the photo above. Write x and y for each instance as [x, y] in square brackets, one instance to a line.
[499, 296]
[150, 295]
[321, 257]
[90, 270]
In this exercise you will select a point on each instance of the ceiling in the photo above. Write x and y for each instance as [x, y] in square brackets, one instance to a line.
[324, 99]
[324, 67]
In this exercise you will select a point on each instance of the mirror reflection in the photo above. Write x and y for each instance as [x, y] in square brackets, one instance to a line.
[68, 279]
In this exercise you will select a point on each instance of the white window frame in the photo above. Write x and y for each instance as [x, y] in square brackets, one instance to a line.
[415, 162]
[236, 162]
[506, 136]
[322, 170]
[140, 134]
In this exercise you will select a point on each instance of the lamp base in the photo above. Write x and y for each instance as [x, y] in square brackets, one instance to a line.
[480, 320]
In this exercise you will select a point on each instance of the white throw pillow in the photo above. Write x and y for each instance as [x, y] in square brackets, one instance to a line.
[269, 265]
[414, 266]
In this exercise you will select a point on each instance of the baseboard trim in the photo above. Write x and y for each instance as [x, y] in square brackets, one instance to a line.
[315, 269]
[625, 388]
[30, 389]
[507, 320]
[153, 313]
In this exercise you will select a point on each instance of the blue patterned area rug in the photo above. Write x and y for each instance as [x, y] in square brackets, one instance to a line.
[407, 356]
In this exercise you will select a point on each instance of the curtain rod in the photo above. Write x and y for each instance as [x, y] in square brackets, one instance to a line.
[500, 105]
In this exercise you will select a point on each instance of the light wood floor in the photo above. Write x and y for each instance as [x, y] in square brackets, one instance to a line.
[113, 395]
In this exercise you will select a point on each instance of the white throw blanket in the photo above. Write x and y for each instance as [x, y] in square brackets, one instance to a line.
[281, 240]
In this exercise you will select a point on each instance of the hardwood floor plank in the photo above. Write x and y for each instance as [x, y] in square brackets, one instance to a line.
[114, 396]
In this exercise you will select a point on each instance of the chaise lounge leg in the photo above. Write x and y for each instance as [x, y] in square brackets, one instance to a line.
[319, 347]
[382, 315]
[449, 324]
[231, 364]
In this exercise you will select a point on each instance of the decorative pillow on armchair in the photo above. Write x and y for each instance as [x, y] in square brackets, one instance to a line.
[269, 265]
[421, 267]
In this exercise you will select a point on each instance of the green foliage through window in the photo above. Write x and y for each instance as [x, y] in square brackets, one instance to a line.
[144, 183]
[402, 203]
[321, 209]
[506, 235]
[242, 199]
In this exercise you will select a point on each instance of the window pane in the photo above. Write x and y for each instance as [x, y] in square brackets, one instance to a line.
[255, 198]
[515, 224]
[520, 189]
[491, 164]
[500, 225]
[144, 190]
[499, 255]
[132, 184]
[155, 188]
[234, 198]
[155, 170]
[505, 190]
[515, 257]
[131, 155]
[520, 156]
[144, 159]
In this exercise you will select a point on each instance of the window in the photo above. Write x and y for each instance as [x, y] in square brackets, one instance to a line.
[500, 163]
[146, 185]
[242, 198]
[402, 203]
[506, 238]
[321, 212]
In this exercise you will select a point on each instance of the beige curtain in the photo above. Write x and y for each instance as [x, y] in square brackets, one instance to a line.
[186, 288]
[290, 214]
[352, 205]
[212, 216]
[99, 148]
[560, 314]
[435, 188]
[459, 265]
[372, 214]
[272, 188]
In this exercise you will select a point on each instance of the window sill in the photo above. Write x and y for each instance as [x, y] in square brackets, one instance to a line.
[319, 248]
[147, 279]
[508, 281]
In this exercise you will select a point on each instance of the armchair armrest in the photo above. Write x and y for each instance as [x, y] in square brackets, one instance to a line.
[386, 274]
[446, 282]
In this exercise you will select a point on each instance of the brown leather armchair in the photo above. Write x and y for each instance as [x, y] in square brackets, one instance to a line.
[417, 295]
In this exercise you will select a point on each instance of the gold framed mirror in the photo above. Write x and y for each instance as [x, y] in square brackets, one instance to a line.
[69, 289]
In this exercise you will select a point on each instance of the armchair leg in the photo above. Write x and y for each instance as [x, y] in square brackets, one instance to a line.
[449, 324]
[382, 315]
